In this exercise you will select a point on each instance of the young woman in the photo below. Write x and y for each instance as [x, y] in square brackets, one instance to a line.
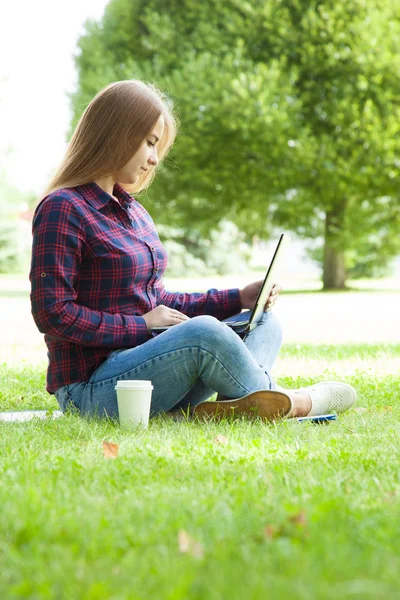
[97, 290]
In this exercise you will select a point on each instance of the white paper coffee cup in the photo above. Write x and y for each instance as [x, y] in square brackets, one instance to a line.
[134, 400]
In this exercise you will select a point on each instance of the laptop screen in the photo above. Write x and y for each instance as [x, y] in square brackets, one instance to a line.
[270, 279]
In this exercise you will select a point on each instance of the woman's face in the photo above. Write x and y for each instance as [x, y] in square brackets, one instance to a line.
[145, 158]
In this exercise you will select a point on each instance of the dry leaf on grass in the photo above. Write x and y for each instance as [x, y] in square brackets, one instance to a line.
[271, 531]
[188, 545]
[361, 409]
[110, 450]
[391, 497]
[299, 518]
[293, 527]
[221, 439]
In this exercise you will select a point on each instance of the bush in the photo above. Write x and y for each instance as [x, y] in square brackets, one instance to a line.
[14, 242]
[224, 251]
[9, 260]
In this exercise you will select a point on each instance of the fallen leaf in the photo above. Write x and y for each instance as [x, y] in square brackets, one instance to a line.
[271, 531]
[386, 409]
[221, 439]
[188, 545]
[391, 495]
[110, 450]
[184, 541]
[361, 409]
[299, 518]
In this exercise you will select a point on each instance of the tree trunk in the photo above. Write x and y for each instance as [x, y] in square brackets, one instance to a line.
[334, 276]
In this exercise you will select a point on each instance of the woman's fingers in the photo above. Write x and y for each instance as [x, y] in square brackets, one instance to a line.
[271, 300]
[277, 289]
[162, 316]
[175, 314]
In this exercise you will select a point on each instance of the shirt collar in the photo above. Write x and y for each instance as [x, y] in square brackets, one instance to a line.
[97, 197]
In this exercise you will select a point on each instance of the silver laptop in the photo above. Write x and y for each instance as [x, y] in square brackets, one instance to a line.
[270, 279]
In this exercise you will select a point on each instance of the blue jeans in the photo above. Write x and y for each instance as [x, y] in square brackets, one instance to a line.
[186, 365]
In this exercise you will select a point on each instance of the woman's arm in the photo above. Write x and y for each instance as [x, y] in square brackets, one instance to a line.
[58, 245]
[217, 303]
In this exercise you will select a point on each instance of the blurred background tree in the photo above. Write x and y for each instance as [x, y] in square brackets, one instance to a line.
[347, 64]
[289, 117]
[14, 230]
[222, 252]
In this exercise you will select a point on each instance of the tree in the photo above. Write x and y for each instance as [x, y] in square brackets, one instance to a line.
[12, 203]
[226, 159]
[347, 76]
[289, 114]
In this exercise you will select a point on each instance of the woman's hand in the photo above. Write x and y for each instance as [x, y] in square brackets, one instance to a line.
[248, 295]
[162, 316]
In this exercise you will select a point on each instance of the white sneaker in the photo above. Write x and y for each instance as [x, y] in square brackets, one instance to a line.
[330, 396]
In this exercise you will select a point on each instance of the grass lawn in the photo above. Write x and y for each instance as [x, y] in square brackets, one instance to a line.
[206, 511]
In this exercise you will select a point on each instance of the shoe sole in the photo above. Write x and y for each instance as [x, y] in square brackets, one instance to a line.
[268, 405]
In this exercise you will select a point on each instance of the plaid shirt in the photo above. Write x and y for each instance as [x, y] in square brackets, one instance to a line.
[97, 266]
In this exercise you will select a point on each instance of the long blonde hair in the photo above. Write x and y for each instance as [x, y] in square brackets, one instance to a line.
[111, 130]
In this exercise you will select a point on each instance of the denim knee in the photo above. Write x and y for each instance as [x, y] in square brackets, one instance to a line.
[209, 330]
[271, 323]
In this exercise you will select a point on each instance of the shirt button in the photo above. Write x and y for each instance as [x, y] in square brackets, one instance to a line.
[155, 270]
[152, 248]
[43, 275]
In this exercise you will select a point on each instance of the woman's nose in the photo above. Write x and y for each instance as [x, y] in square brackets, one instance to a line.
[153, 160]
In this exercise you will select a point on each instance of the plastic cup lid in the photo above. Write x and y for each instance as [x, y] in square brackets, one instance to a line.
[134, 384]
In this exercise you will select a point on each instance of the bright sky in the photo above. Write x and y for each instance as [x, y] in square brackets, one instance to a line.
[37, 43]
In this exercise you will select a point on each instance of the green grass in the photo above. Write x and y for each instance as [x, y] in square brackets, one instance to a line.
[274, 511]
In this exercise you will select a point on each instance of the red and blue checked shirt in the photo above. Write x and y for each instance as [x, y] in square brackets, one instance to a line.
[97, 267]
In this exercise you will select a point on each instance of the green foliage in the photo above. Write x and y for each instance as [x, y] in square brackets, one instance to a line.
[289, 112]
[223, 251]
[12, 202]
[370, 260]
[8, 232]
[367, 261]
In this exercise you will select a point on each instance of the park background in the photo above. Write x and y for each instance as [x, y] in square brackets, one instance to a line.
[289, 116]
